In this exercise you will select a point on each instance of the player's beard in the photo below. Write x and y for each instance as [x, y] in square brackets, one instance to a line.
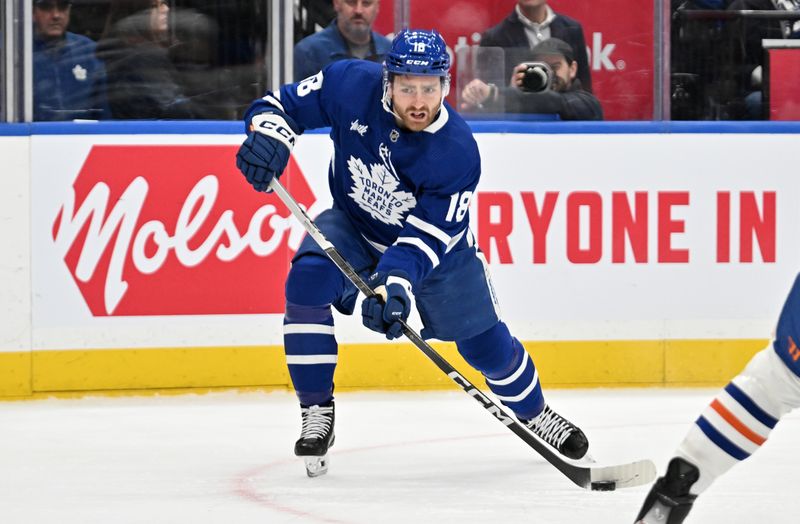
[417, 124]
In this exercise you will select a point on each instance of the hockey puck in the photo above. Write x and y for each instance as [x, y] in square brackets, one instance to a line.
[604, 485]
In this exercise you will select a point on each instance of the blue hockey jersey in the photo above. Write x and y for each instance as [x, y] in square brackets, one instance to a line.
[408, 193]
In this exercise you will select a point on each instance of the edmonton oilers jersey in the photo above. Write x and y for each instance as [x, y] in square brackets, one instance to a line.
[408, 193]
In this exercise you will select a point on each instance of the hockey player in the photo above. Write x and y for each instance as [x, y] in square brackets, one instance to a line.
[736, 423]
[404, 169]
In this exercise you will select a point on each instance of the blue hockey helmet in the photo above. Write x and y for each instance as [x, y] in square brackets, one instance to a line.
[418, 52]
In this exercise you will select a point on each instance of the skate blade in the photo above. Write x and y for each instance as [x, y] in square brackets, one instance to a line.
[658, 513]
[316, 466]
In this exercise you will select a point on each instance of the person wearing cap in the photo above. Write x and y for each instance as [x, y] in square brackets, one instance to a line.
[532, 22]
[564, 96]
[349, 35]
[69, 81]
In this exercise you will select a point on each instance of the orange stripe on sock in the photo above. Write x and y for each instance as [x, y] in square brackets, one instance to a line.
[731, 419]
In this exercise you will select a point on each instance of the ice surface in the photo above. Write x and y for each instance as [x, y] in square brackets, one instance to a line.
[399, 458]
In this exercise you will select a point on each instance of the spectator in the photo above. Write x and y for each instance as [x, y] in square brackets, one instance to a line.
[532, 22]
[350, 35]
[749, 53]
[699, 52]
[193, 53]
[220, 52]
[141, 78]
[565, 97]
[716, 63]
[69, 80]
[312, 16]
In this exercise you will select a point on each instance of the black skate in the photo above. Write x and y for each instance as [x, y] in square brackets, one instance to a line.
[669, 501]
[316, 437]
[560, 433]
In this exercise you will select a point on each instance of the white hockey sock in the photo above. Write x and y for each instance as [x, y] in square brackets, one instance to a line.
[740, 418]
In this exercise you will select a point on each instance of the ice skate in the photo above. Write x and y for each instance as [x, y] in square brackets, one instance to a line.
[560, 433]
[669, 501]
[316, 436]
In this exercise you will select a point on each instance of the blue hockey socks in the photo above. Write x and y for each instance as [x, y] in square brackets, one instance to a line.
[308, 336]
[509, 370]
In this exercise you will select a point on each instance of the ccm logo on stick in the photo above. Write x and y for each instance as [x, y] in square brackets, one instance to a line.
[488, 404]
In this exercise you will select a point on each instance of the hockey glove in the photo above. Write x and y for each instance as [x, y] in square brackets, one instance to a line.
[391, 304]
[265, 152]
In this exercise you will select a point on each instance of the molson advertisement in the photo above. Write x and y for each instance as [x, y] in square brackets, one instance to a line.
[147, 227]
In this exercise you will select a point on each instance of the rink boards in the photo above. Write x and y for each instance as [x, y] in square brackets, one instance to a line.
[136, 258]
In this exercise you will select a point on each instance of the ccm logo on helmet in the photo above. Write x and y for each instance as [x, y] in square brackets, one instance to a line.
[417, 62]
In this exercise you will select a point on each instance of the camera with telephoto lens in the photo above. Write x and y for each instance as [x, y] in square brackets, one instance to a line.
[537, 77]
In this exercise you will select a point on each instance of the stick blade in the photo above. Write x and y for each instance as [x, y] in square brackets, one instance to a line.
[625, 475]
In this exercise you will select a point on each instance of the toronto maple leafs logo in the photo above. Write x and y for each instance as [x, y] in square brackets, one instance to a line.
[375, 191]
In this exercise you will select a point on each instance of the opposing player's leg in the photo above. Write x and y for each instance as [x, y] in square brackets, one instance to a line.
[315, 285]
[736, 423]
[457, 302]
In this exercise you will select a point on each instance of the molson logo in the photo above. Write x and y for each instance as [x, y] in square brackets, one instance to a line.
[176, 230]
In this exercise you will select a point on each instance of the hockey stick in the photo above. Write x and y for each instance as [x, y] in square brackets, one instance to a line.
[600, 478]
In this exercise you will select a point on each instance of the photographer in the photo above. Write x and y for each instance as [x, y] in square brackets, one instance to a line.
[549, 85]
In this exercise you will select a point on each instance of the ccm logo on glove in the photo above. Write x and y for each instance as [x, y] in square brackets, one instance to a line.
[275, 126]
[265, 152]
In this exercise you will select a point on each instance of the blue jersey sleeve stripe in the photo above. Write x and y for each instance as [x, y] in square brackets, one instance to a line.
[720, 440]
[751, 407]
[455, 239]
[430, 229]
[378, 247]
[273, 100]
[422, 246]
